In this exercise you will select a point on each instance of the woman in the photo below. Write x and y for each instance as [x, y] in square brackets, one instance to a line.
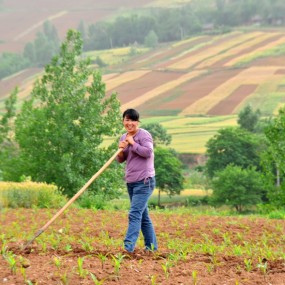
[137, 145]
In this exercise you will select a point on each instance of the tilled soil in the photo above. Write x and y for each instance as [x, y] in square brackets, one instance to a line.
[193, 249]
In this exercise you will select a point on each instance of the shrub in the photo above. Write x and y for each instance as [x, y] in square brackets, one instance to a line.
[30, 194]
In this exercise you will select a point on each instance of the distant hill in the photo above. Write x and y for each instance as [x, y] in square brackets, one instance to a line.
[192, 87]
[21, 20]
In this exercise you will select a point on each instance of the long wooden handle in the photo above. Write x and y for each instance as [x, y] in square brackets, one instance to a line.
[41, 230]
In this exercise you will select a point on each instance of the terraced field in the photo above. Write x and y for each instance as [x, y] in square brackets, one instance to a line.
[201, 76]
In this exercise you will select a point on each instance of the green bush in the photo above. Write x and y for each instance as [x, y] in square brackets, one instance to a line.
[30, 194]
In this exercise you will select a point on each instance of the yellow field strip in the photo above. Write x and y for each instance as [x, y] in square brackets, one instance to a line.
[124, 77]
[269, 46]
[106, 77]
[253, 75]
[187, 41]
[161, 89]
[211, 51]
[254, 39]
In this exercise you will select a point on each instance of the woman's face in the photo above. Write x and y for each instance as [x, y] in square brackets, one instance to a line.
[130, 125]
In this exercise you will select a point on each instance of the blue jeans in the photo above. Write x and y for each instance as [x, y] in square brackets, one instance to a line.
[139, 220]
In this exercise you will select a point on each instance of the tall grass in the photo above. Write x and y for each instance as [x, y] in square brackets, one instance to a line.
[30, 194]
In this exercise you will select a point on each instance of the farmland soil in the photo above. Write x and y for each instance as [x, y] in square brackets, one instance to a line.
[192, 248]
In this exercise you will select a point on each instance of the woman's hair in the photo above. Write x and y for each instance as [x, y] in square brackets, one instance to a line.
[131, 114]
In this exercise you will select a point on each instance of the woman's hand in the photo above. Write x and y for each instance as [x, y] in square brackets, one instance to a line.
[123, 144]
[130, 139]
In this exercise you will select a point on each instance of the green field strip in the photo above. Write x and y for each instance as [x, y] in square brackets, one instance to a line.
[249, 41]
[266, 92]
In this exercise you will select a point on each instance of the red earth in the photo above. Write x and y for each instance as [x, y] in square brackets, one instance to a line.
[217, 250]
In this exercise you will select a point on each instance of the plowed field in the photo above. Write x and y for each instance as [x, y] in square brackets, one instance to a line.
[193, 249]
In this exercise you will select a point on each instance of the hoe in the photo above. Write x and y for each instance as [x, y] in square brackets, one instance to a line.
[41, 230]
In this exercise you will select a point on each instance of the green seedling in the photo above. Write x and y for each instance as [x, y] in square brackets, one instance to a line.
[262, 266]
[248, 264]
[118, 258]
[64, 278]
[95, 280]
[10, 258]
[82, 272]
[23, 273]
[194, 277]
[86, 246]
[68, 248]
[57, 262]
[166, 268]
[103, 259]
[153, 280]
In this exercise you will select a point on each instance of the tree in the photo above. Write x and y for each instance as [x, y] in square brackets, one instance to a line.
[232, 145]
[273, 158]
[248, 119]
[151, 40]
[10, 162]
[159, 133]
[168, 167]
[237, 187]
[60, 129]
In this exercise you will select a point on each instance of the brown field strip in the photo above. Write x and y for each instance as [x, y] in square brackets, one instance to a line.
[131, 90]
[7, 85]
[189, 92]
[228, 105]
[250, 43]
[280, 71]
[161, 89]
[210, 51]
[123, 78]
[191, 52]
[159, 58]
[252, 75]
[268, 46]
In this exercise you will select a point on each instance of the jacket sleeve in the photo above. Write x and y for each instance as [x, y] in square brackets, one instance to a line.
[144, 147]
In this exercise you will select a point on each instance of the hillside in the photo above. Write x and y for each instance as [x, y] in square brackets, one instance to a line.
[21, 20]
[195, 86]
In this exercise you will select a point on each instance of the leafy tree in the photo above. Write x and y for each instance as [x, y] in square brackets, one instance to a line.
[237, 187]
[159, 133]
[60, 129]
[248, 119]
[273, 158]
[151, 40]
[11, 63]
[232, 145]
[169, 176]
[29, 52]
[82, 30]
[10, 163]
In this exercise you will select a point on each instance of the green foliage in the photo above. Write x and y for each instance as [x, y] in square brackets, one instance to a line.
[248, 119]
[159, 133]
[237, 187]
[273, 159]
[169, 175]
[151, 40]
[99, 61]
[11, 63]
[30, 194]
[90, 201]
[61, 127]
[10, 162]
[232, 145]
[44, 47]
